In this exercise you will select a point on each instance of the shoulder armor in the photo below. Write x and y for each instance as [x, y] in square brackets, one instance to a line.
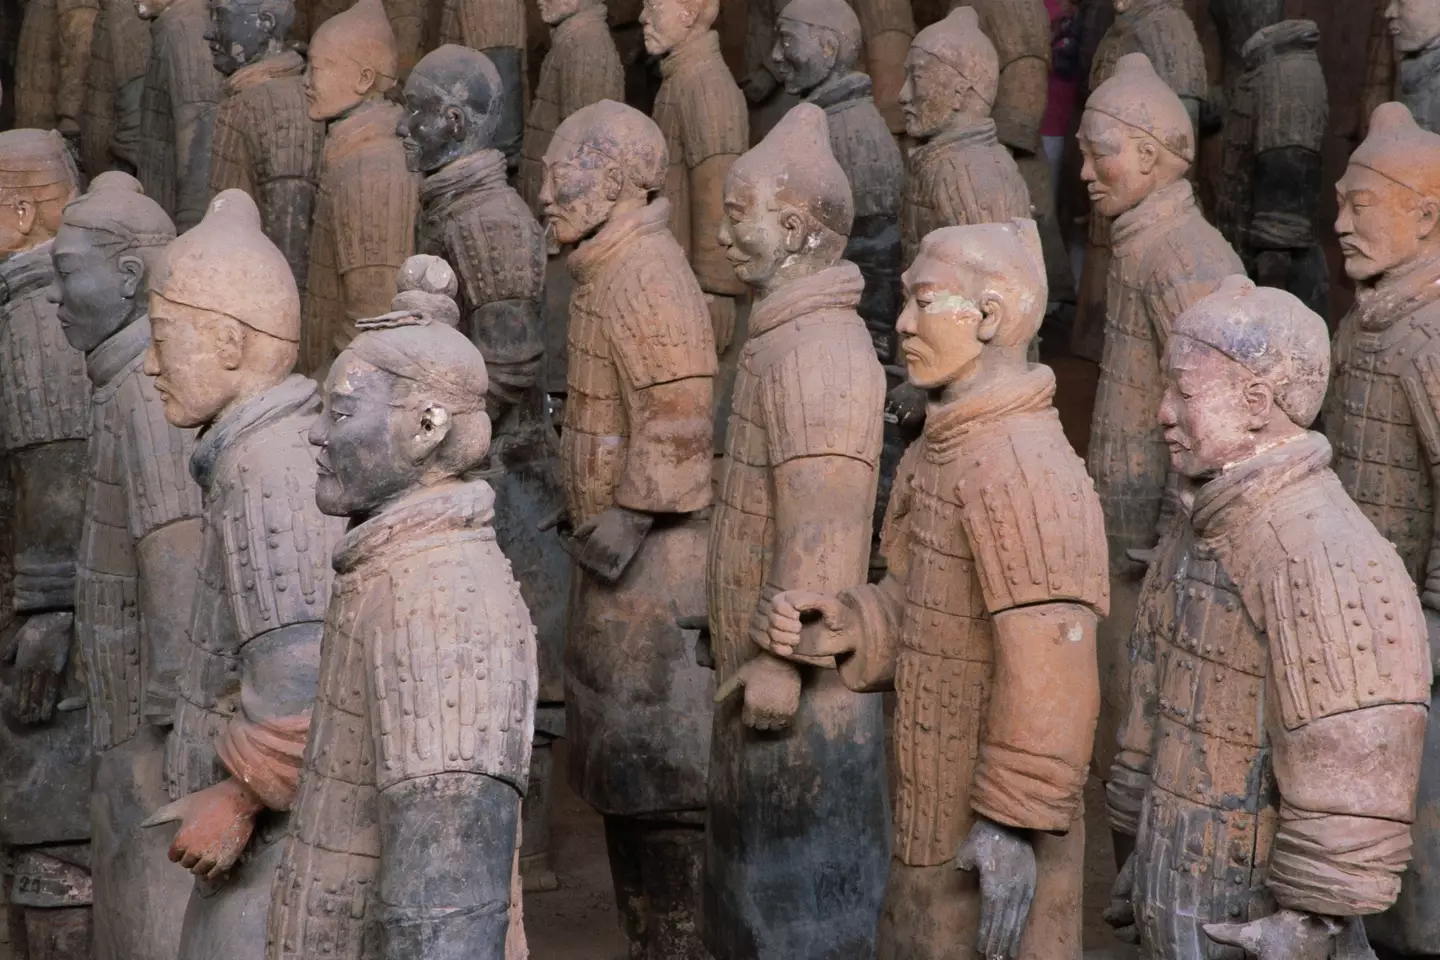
[485, 24]
[659, 325]
[278, 544]
[980, 185]
[288, 143]
[1186, 265]
[457, 616]
[1345, 625]
[375, 200]
[894, 530]
[155, 458]
[713, 117]
[498, 249]
[825, 396]
[1422, 387]
[1033, 518]
[43, 385]
[591, 68]
[1292, 106]
[231, 162]
[867, 152]
[1169, 39]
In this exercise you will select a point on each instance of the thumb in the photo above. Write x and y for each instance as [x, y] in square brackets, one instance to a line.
[170, 813]
[967, 858]
[730, 687]
[1243, 935]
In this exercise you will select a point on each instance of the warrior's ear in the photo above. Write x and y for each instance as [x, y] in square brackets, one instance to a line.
[992, 314]
[134, 269]
[434, 428]
[614, 182]
[1260, 403]
[1148, 150]
[1429, 218]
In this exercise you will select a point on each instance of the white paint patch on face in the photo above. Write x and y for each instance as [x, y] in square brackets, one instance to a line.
[949, 303]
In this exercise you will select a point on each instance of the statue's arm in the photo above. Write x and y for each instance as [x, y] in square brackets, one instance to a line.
[167, 559]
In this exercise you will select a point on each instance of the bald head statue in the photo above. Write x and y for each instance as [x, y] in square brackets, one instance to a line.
[951, 75]
[603, 156]
[814, 41]
[453, 101]
[1389, 198]
[241, 32]
[1245, 368]
[668, 24]
[352, 59]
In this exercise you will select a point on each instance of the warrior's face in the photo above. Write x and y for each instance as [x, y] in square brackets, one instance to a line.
[931, 94]
[554, 11]
[1212, 411]
[360, 461]
[580, 188]
[94, 289]
[1414, 24]
[1121, 163]
[1382, 224]
[803, 55]
[334, 83]
[759, 235]
[432, 130]
[238, 33]
[668, 23]
[196, 357]
[943, 329]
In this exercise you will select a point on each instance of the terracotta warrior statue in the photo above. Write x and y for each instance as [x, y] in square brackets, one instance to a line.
[472, 218]
[636, 454]
[265, 142]
[421, 577]
[797, 763]
[1270, 185]
[52, 57]
[1270, 755]
[177, 118]
[225, 322]
[114, 88]
[702, 113]
[364, 225]
[44, 420]
[136, 575]
[1137, 140]
[497, 29]
[1383, 415]
[1164, 32]
[817, 44]
[1414, 29]
[889, 29]
[995, 584]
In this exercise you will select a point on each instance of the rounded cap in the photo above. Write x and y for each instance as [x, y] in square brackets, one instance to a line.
[625, 136]
[226, 265]
[1398, 148]
[1135, 95]
[1008, 258]
[116, 205]
[795, 160]
[1270, 333]
[959, 43]
[833, 15]
[427, 287]
[38, 163]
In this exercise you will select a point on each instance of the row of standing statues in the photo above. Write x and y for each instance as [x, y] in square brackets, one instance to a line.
[305, 582]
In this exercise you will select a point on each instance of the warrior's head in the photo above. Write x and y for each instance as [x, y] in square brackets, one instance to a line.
[815, 40]
[788, 207]
[224, 314]
[1245, 369]
[243, 31]
[37, 178]
[109, 242]
[1389, 198]
[404, 402]
[352, 59]
[668, 24]
[974, 299]
[1414, 24]
[453, 100]
[951, 75]
[558, 11]
[603, 159]
[1135, 136]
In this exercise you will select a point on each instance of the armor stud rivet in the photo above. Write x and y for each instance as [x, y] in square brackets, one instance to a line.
[1357, 622]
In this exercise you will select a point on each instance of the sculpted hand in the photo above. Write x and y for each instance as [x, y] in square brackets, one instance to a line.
[905, 406]
[786, 633]
[1006, 864]
[1121, 912]
[605, 545]
[215, 826]
[1285, 935]
[772, 692]
[42, 648]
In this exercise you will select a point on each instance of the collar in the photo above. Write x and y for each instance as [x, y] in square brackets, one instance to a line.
[834, 288]
[1142, 9]
[948, 425]
[1418, 69]
[287, 63]
[590, 12]
[846, 88]
[1390, 298]
[1160, 207]
[1230, 500]
[619, 231]
[478, 172]
[294, 394]
[699, 48]
[373, 119]
[26, 271]
[452, 506]
[981, 134]
[107, 361]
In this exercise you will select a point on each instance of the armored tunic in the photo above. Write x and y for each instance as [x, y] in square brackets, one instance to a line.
[177, 119]
[582, 67]
[637, 435]
[1164, 32]
[808, 386]
[130, 623]
[267, 145]
[957, 178]
[1419, 85]
[119, 55]
[474, 220]
[703, 116]
[52, 58]
[1383, 417]
[432, 557]
[868, 154]
[992, 486]
[1289, 644]
[248, 677]
[363, 232]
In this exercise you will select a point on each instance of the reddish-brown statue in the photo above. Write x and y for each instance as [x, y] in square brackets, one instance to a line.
[996, 581]
[497, 29]
[636, 453]
[265, 142]
[225, 322]
[44, 420]
[889, 28]
[52, 58]
[114, 88]
[1137, 140]
[1272, 746]
[411, 854]
[702, 113]
[797, 763]
[135, 578]
[1413, 56]
[364, 225]
[1383, 416]
[177, 109]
